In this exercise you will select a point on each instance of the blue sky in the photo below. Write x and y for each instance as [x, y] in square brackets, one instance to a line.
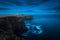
[42, 8]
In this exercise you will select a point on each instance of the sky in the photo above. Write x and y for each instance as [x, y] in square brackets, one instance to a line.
[30, 7]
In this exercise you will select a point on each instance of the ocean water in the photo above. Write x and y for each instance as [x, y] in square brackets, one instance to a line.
[50, 26]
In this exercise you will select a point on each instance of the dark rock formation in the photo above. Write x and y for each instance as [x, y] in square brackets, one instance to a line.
[11, 28]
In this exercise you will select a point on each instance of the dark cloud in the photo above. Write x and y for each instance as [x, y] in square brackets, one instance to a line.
[15, 2]
[5, 3]
[55, 8]
[27, 2]
[36, 2]
[4, 9]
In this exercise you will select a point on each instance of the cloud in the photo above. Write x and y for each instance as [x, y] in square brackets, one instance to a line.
[4, 9]
[54, 8]
[25, 2]
[15, 2]
[35, 2]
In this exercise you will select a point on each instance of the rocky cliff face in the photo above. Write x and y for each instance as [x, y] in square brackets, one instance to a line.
[11, 28]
